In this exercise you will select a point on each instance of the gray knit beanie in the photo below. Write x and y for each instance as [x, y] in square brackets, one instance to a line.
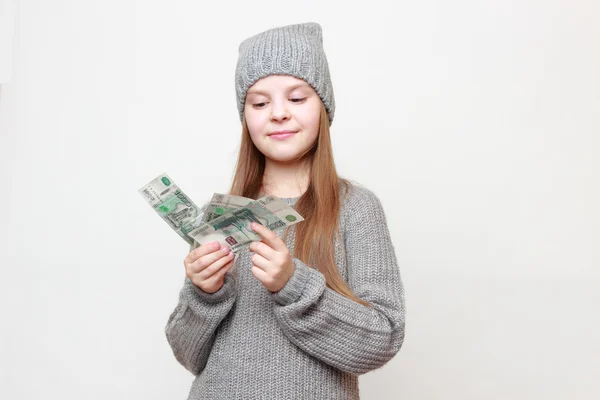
[295, 50]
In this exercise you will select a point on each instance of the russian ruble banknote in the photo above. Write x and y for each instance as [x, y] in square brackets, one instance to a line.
[232, 229]
[173, 206]
[225, 218]
[223, 203]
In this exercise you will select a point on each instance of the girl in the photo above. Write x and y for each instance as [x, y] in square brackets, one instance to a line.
[305, 311]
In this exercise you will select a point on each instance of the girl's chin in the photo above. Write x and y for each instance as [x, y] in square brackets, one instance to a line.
[283, 158]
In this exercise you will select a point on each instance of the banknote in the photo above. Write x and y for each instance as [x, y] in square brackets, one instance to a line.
[223, 203]
[232, 229]
[173, 206]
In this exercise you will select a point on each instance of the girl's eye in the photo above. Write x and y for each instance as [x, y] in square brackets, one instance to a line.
[261, 105]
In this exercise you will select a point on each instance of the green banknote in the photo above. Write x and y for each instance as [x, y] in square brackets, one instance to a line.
[232, 228]
[223, 203]
[173, 206]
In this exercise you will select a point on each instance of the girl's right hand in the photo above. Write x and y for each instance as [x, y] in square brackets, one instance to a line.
[206, 266]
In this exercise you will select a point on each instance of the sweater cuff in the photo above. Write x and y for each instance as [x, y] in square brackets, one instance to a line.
[295, 286]
[227, 291]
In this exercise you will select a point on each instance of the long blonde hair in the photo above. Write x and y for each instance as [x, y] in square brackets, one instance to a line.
[319, 205]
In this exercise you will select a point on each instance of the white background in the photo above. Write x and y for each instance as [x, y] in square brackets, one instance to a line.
[7, 30]
[475, 122]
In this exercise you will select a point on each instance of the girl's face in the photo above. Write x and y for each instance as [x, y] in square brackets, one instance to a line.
[282, 103]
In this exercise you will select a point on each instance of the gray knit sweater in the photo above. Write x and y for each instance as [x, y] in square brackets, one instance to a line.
[305, 341]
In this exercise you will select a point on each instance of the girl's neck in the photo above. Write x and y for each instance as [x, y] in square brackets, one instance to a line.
[285, 180]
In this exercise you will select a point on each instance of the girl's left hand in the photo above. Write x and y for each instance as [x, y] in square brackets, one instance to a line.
[272, 263]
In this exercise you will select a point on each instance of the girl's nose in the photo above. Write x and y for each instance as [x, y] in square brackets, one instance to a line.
[279, 111]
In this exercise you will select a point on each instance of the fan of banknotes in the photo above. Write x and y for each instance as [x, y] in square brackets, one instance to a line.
[225, 219]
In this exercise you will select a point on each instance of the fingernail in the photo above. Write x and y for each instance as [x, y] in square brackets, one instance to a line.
[216, 245]
[225, 249]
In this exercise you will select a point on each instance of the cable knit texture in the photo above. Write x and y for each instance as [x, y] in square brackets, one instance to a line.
[295, 50]
[305, 341]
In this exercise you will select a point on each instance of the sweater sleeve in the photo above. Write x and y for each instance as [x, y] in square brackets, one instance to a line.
[192, 326]
[331, 327]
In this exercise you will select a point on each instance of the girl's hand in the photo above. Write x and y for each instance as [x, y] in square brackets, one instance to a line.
[206, 266]
[272, 263]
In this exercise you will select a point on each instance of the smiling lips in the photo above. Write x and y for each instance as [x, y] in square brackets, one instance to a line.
[279, 135]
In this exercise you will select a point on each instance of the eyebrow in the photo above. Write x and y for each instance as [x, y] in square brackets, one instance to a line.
[254, 91]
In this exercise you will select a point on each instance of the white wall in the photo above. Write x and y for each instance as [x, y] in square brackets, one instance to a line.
[7, 31]
[478, 121]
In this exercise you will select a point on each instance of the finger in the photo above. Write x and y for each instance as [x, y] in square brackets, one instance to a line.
[219, 275]
[259, 274]
[202, 251]
[206, 261]
[260, 262]
[209, 259]
[263, 249]
[269, 237]
[218, 278]
[226, 268]
[207, 272]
